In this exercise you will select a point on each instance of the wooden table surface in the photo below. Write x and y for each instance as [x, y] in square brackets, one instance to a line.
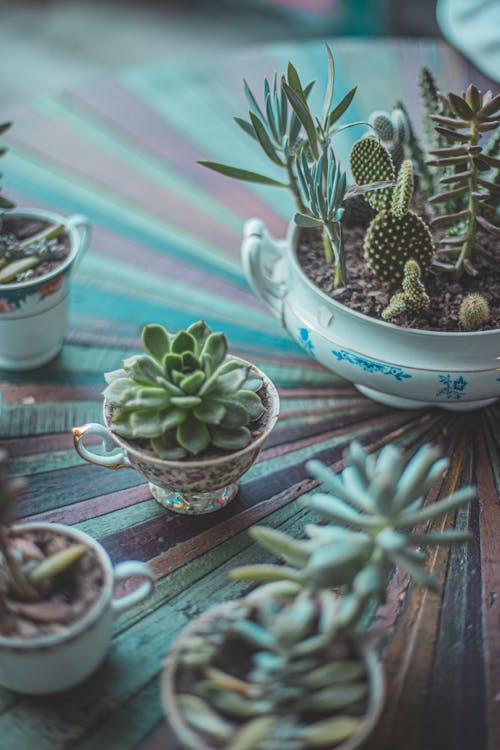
[165, 248]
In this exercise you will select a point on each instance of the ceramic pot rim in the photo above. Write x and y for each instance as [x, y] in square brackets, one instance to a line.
[70, 231]
[375, 675]
[77, 627]
[272, 416]
[294, 241]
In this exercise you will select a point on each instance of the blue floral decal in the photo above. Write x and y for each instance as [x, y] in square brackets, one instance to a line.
[370, 365]
[452, 387]
[305, 341]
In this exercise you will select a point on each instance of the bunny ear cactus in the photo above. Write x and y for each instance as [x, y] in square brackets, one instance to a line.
[371, 162]
[396, 234]
[392, 130]
[471, 115]
[185, 394]
[413, 298]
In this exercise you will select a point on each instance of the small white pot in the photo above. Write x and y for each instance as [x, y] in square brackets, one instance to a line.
[34, 313]
[402, 367]
[50, 663]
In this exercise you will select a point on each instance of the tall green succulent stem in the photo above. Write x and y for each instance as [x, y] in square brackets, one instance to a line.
[333, 251]
[473, 206]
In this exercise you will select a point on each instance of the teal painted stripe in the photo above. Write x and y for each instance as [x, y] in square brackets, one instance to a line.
[111, 141]
[68, 194]
[106, 276]
[17, 420]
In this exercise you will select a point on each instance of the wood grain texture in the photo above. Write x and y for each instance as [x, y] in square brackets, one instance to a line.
[165, 248]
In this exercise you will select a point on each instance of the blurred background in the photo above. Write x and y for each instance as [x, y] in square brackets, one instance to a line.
[48, 45]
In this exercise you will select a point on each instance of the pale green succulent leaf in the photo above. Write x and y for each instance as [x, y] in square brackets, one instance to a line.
[333, 697]
[192, 382]
[263, 573]
[327, 103]
[252, 403]
[57, 563]
[409, 486]
[330, 732]
[415, 570]
[300, 107]
[183, 342]
[235, 414]
[335, 485]
[254, 634]
[186, 402]
[336, 672]
[146, 423]
[201, 717]
[171, 362]
[253, 383]
[165, 447]
[216, 346]
[230, 382]
[109, 377]
[437, 509]
[145, 370]
[147, 398]
[230, 438]
[193, 436]
[246, 127]
[156, 341]
[170, 387]
[331, 566]
[331, 509]
[210, 411]
[295, 621]
[200, 332]
[450, 536]
[291, 550]
[117, 389]
[173, 418]
[252, 733]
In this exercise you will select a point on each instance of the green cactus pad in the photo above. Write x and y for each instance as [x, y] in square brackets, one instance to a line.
[371, 162]
[403, 192]
[391, 241]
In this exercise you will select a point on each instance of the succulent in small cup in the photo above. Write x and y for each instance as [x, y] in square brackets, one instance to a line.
[185, 395]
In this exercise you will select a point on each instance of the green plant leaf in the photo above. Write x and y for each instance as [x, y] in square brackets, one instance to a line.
[201, 717]
[327, 103]
[491, 108]
[171, 362]
[183, 342]
[292, 551]
[145, 370]
[263, 573]
[146, 423]
[300, 107]
[229, 438]
[216, 346]
[172, 418]
[235, 414]
[307, 222]
[116, 391]
[460, 107]
[252, 403]
[186, 402]
[192, 382]
[156, 341]
[341, 107]
[146, 398]
[189, 362]
[193, 436]
[265, 141]
[246, 127]
[330, 732]
[210, 411]
[242, 174]
[200, 331]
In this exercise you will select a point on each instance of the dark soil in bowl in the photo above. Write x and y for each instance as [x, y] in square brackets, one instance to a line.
[368, 295]
[65, 598]
[21, 228]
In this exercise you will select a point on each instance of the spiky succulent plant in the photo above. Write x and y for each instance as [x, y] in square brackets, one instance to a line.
[185, 394]
[302, 684]
[396, 234]
[472, 114]
[393, 132]
[474, 312]
[285, 125]
[371, 162]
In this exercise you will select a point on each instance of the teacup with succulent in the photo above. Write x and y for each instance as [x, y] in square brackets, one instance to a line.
[403, 260]
[288, 666]
[56, 599]
[187, 415]
[38, 252]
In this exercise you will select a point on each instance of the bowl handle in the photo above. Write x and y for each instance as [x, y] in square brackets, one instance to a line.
[112, 459]
[78, 221]
[124, 570]
[260, 254]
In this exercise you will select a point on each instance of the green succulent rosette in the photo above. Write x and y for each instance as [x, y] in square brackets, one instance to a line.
[185, 395]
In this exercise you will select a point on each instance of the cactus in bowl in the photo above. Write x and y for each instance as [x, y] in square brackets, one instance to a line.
[185, 394]
[305, 676]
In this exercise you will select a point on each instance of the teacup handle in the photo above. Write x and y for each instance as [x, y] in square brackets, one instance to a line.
[126, 570]
[260, 255]
[78, 221]
[113, 459]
